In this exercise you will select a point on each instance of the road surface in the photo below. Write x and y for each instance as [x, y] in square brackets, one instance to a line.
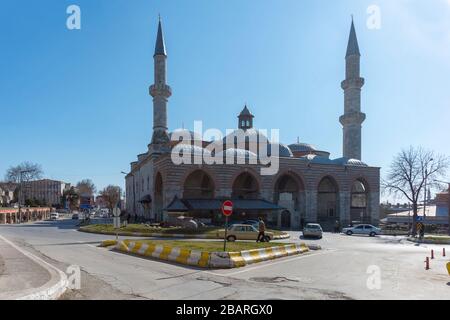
[355, 267]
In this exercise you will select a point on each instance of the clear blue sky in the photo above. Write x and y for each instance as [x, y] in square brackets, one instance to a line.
[77, 101]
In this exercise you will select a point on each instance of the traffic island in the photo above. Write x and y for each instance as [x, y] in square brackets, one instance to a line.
[431, 239]
[137, 230]
[210, 254]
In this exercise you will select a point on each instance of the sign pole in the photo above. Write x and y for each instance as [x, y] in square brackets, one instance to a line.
[227, 210]
[225, 238]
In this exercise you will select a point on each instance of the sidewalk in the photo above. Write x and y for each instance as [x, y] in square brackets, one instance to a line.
[25, 276]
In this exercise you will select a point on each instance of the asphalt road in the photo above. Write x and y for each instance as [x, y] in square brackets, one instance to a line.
[353, 267]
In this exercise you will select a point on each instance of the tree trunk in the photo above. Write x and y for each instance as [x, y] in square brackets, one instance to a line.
[414, 224]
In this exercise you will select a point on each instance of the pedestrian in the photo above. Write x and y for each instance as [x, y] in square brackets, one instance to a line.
[337, 226]
[262, 229]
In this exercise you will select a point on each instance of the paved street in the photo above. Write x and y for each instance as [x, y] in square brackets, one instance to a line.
[339, 271]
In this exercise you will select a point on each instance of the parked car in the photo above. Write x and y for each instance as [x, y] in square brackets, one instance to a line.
[243, 232]
[54, 216]
[313, 230]
[75, 216]
[366, 229]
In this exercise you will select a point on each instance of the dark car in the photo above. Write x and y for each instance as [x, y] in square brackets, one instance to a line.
[75, 216]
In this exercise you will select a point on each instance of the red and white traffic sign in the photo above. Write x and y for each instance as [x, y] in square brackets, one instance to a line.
[227, 208]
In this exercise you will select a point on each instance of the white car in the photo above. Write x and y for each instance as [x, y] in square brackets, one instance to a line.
[54, 216]
[366, 229]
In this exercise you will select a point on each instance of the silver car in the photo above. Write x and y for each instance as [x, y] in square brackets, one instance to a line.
[313, 230]
[366, 229]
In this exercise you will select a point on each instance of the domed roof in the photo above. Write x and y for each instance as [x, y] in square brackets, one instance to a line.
[283, 150]
[302, 147]
[190, 149]
[237, 153]
[184, 134]
[313, 158]
[252, 134]
[350, 162]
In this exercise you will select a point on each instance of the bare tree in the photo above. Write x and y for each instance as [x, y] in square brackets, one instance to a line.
[111, 195]
[29, 171]
[86, 186]
[410, 171]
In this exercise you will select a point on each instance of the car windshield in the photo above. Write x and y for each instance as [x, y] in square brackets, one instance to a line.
[313, 226]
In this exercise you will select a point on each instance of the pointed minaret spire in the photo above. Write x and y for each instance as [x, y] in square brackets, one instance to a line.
[160, 47]
[353, 117]
[160, 91]
[352, 47]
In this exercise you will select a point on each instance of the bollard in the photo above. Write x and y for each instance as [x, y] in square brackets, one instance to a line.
[443, 252]
[427, 263]
[432, 254]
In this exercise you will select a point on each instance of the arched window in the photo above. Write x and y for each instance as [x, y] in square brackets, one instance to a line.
[245, 186]
[359, 195]
[198, 185]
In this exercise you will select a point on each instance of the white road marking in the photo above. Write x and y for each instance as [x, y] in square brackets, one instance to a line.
[269, 264]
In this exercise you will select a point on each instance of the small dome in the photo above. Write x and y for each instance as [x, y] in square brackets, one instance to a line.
[312, 158]
[350, 162]
[302, 147]
[252, 135]
[190, 149]
[283, 150]
[185, 134]
[242, 153]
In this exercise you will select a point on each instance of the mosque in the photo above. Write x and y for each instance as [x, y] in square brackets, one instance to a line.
[308, 186]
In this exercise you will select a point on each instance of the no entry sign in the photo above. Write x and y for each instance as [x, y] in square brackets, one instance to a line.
[227, 208]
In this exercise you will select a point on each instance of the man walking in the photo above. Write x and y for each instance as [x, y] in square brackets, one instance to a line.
[262, 229]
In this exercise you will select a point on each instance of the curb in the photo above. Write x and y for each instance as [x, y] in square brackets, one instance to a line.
[45, 292]
[428, 241]
[212, 260]
[165, 235]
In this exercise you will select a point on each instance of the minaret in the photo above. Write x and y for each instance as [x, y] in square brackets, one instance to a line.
[160, 92]
[353, 117]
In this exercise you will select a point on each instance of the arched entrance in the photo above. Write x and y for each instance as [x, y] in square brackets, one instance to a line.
[359, 203]
[286, 219]
[328, 203]
[287, 194]
[198, 185]
[159, 199]
[245, 186]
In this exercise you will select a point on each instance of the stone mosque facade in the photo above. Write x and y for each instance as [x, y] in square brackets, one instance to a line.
[308, 187]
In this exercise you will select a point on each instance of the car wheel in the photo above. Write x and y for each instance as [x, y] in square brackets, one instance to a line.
[231, 238]
[266, 239]
[372, 234]
[349, 232]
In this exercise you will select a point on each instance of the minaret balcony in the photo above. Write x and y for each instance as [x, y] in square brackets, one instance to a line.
[353, 83]
[353, 118]
[160, 90]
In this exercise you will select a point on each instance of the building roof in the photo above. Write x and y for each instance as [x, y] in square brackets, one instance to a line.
[352, 47]
[302, 147]
[246, 112]
[160, 47]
